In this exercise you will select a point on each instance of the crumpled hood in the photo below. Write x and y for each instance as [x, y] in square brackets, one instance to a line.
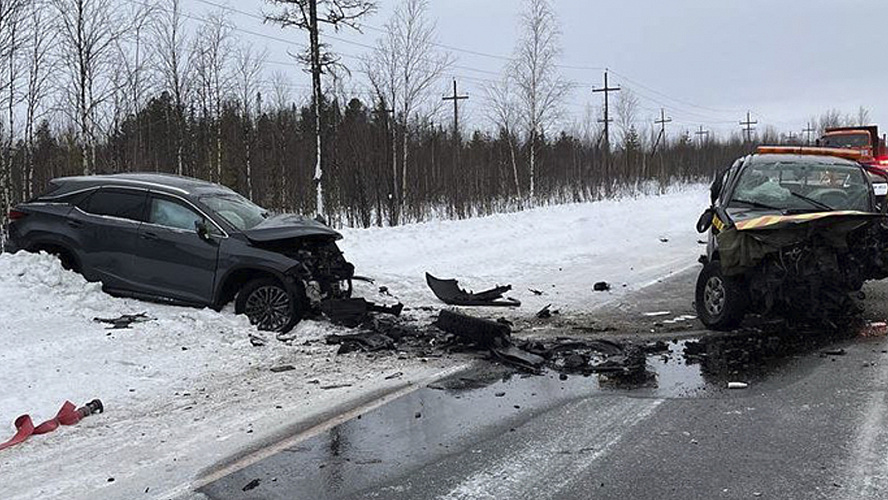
[284, 226]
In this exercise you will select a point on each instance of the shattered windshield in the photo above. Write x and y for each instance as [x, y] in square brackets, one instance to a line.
[802, 187]
[238, 211]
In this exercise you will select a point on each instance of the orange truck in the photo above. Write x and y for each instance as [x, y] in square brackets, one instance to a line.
[863, 139]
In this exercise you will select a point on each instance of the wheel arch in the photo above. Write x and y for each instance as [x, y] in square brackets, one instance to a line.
[235, 279]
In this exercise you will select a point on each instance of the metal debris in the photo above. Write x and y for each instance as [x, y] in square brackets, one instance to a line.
[601, 286]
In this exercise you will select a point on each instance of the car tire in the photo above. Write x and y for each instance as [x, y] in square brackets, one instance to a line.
[269, 305]
[721, 300]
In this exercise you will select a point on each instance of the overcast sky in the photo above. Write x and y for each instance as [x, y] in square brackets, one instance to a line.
[706, 61]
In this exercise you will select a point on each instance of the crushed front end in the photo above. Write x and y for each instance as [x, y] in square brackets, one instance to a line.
[809, 265]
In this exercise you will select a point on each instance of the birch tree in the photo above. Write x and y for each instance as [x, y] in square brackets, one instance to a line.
[540, 89]
[211, 55]
[173, 67]
[503, 113]
[249, 64]
[88, 33]
[40, 66]
[303, 15]
[403, 67]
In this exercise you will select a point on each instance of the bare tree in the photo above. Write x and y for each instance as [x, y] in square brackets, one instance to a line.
[626, 111]
[829, 119]
[540, 88]
[211, 55]
[11, 43]
[173, 66]
[40, 65]
[863, 116]
[403, 68]
[303, 15]
[248, 68]
[503, 113]
[88, 33]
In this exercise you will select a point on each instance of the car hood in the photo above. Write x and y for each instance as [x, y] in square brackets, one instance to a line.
[285, 226]
[766, 219]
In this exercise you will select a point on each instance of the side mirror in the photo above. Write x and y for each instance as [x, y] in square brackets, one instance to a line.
[203, 231]
[705, 221]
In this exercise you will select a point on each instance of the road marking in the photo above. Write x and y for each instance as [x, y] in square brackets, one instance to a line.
[867, 469]
[539, 468]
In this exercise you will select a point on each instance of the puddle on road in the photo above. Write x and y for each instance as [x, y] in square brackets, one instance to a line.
[451, 415]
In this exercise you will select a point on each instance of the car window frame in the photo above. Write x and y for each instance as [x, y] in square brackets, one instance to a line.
[215, 230]
[99, 189]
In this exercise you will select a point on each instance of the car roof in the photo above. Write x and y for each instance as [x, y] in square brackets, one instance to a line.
[806, 159]
[169, 183]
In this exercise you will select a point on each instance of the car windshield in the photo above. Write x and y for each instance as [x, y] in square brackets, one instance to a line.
[238, 211]
[846, 141]
[797, 186]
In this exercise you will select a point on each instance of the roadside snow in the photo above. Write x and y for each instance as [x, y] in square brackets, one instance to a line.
[561, 250]
[187, 389]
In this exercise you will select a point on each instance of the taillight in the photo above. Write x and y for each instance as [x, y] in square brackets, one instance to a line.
[16, 215]
[882, 160]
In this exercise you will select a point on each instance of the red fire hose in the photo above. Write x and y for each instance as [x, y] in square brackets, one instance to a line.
[67, 415]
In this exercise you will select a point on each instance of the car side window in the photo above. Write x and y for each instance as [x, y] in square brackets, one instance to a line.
[123, 203]
[173, 214]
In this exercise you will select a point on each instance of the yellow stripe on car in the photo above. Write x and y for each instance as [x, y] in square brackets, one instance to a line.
[770, 220]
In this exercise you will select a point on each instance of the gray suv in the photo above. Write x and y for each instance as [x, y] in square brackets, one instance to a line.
[185, 241]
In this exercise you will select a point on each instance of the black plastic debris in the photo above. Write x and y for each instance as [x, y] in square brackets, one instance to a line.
[365, 341]
[353, 312]
[282, 368]
[251, 485]
[535, 292]
[450, 293]
[124, 321]
[545, 312]
[483, 332]
[601, 286]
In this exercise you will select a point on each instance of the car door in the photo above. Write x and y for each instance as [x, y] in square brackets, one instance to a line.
[173, 260]
[106, 227]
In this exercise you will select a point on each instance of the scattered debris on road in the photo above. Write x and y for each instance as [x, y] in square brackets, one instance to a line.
[451, 294]
[124, 321]
[601, 286]
[737, 385]
[282, 368]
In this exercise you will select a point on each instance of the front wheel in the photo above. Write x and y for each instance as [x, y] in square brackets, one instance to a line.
[720, 300]
[269, 305]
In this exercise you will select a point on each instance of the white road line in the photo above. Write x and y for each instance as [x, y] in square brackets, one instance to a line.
[540, 468]
[866, 474]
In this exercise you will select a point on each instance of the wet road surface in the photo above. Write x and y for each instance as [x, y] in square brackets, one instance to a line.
[813, 423]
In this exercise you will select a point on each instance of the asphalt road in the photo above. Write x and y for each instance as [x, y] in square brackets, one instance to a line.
[813, 423]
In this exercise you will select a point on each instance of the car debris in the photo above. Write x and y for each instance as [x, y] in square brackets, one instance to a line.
[124, 321]
[737, 385]
[352, 312]
[535, 291]
[546, 312]
[601, 286]
[449, 292]
[282, 368]
[483, 332]
[364, 341]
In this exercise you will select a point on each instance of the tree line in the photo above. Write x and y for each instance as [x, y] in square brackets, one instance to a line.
[101, 86]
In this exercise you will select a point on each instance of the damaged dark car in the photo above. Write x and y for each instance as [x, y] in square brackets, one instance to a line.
[795, 232]
[185, 241]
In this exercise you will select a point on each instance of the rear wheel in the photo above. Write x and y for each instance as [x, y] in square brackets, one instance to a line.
[269, 305]
[720, 300]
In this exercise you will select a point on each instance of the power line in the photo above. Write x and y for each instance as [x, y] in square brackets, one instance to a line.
[455, 98]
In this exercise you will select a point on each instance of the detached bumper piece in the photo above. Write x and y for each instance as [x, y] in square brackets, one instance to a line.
[450, 293]
[353, 312]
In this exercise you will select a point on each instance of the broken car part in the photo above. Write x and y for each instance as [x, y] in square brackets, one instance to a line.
[450, 293]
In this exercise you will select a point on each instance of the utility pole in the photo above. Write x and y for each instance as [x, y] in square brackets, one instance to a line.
[607, 90]
[455, 98]
[662, 123]
[748, 126]
[702, 134]
[790, 136]
[807, 131]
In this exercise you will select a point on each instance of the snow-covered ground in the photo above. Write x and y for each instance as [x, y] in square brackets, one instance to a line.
[188, 389]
